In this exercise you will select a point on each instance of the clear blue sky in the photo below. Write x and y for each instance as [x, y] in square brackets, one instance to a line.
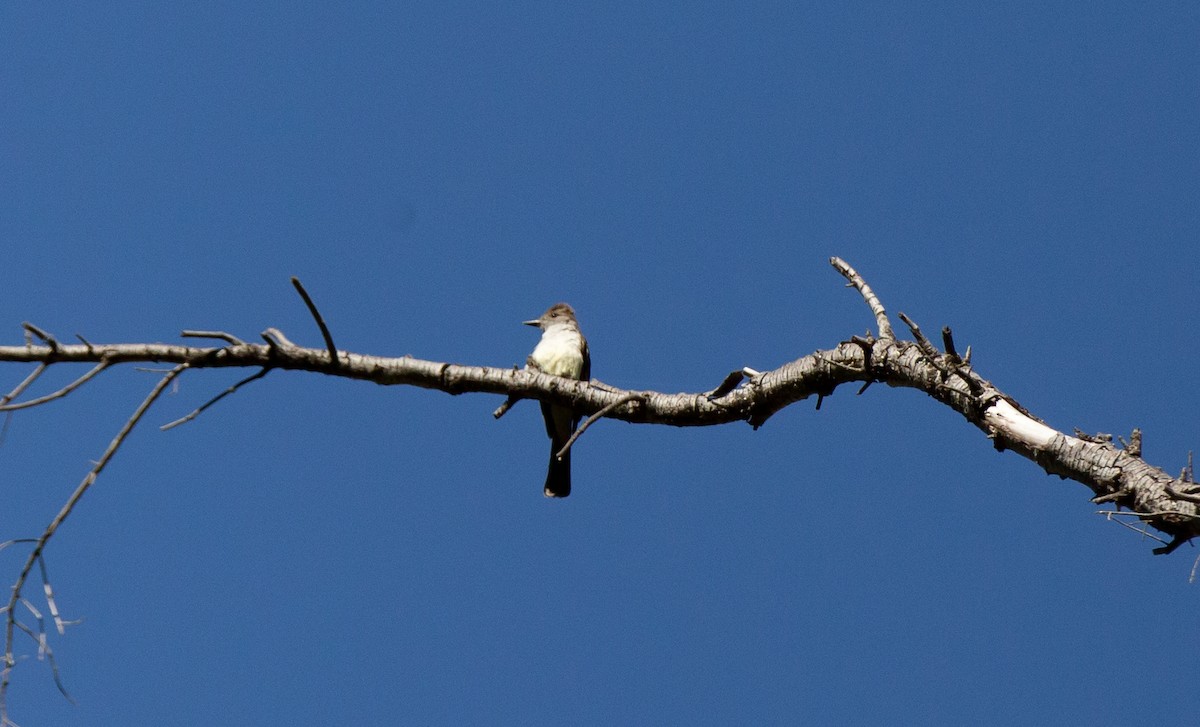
[315, 551]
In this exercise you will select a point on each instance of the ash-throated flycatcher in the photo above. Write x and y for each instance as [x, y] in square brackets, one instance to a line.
[563, 351]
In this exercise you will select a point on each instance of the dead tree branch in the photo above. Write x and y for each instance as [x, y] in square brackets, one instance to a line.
[1166, 503]
[35, 556]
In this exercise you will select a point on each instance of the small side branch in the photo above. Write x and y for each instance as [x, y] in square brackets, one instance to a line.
[57, 394]
[36, 554]
[868, 295]
[44, 650]
[1115, 515]
[21, 387]
[948, 345]
[215, 335]
[276, 340]
[503, 408]
[46, 338]
[1134, 445]
[926, 347]
[727, 385]
[1181, 495]
[316, 314]
[621, 401]
[200, 409]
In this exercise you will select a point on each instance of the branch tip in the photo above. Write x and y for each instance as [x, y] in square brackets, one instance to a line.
[631, 396]
[218, 335]
[11, 623]
[728, 384]
[948, 343]
[49, 340]
[275, 338]
[856, 281]
[200, 409]
[316, 314]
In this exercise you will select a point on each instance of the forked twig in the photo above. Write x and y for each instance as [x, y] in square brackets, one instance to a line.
[44, 650]
[1112, 516]
[57, 394]
[36, 554]
[21, 387]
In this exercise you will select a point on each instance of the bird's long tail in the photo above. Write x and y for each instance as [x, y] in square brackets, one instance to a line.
[558, 473]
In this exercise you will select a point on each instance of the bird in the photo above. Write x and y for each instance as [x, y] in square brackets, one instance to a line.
[562, 351]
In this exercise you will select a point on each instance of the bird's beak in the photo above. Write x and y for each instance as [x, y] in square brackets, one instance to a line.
[537, 322]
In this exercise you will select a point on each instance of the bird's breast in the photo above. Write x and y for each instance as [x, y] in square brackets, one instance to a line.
[560, 353]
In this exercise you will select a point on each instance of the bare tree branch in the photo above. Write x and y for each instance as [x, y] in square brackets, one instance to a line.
[57, 394]
[1116, 475]
[1120, 476]
[36, 554]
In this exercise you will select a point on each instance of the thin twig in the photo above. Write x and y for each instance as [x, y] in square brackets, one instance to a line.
[316, 314]
[44, 650]
[926, 347]
[275, 338]
[1180, 495]
[49, 340]
[728, 384]
[61, 392]
[21, 387]
[868, 295]
[60, 624]
[1134, 445]
[218, 335]
[198, 410]
[1144, 532]
[1158, 513]
[503, 408]
[67, 509]
[631, 396]
[948, 344]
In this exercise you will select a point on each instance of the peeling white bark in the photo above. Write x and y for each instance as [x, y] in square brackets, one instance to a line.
[1005, 418]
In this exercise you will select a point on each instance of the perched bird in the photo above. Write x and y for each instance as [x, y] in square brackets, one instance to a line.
[562, 351]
